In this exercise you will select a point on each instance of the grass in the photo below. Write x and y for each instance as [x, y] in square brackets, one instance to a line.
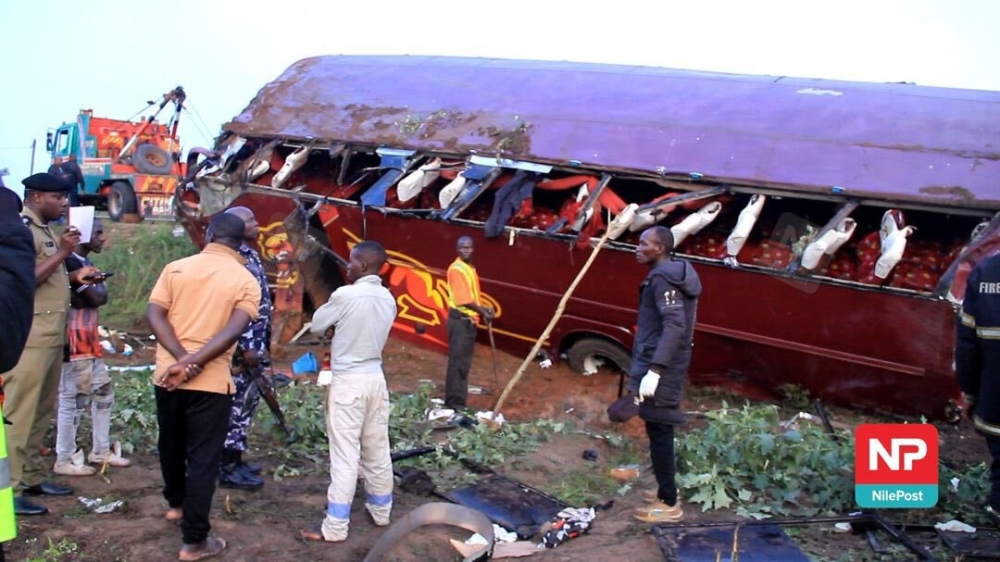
[137, 254]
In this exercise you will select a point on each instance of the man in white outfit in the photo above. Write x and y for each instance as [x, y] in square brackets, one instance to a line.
[358, 317]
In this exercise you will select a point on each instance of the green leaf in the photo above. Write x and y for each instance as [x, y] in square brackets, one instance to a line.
[720, 498]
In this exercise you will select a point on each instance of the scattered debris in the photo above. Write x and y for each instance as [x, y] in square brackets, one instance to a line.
[509, 503]
[487, 418]
[437, 514]
[568, 524]
[307, 364]
[955, 526]
[590, 455]
[97, 505]
[625, 473]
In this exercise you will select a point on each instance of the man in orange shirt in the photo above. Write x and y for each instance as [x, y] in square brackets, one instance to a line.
[197, 310]
[464, 308]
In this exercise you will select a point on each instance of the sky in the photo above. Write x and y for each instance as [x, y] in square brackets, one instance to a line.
[60, 56]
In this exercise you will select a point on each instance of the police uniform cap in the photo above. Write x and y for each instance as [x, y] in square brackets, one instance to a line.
[44, 181]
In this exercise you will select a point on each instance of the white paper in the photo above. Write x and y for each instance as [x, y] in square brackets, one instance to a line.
[83, 219]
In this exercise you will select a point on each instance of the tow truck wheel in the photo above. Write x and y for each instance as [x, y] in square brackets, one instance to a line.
[151, 159]
[121, 201]
[588, 354]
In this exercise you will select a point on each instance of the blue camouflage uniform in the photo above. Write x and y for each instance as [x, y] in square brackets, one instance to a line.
[256, 338]
[977, 359]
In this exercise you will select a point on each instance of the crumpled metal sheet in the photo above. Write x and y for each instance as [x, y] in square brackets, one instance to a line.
[897, 141]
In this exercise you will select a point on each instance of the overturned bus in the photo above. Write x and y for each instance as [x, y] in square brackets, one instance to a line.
[832, 223]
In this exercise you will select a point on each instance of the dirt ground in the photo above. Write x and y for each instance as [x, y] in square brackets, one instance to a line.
[263, 525]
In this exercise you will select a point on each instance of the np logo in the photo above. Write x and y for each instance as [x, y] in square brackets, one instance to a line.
[896, 465]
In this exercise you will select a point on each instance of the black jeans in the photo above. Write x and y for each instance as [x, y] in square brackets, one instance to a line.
[461, 346]
[193, 426]
[994, 444]
[661, 452]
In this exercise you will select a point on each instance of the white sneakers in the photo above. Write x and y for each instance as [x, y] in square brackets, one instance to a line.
[74, 467]
[112, 457]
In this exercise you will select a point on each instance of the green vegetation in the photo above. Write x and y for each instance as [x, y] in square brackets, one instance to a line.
[137, 254]
[58, 551]
[745, 460]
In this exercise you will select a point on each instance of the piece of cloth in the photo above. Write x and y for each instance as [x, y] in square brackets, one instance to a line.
[200, 293]
[30, 390]
[357, 408]
[664, 337]
[84, 383]
[461, 347]
[256, 338]
[463, 288]
[17, 277]
[568, 524]
[661, 453]
[358, 432]
[362, 314]
[507, 201]
[192, 428]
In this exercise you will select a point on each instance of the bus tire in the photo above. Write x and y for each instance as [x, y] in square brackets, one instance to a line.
[586, 355]
[151, 159]
[121, 201]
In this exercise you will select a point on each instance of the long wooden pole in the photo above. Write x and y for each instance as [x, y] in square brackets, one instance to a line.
[552, 323]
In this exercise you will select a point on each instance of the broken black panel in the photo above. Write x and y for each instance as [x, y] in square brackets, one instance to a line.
[508, 503]
[760, 543]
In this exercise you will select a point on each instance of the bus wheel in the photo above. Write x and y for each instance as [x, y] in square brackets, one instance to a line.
[121, 201]
[589, 354]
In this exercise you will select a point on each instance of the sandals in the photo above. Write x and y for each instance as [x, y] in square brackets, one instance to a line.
[213, 546]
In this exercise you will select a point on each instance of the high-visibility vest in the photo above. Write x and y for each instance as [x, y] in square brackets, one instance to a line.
[8, 526]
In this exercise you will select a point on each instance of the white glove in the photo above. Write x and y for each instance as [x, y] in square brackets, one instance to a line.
[648, 384]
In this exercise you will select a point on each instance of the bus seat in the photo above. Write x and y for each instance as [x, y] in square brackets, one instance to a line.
[694, 222]
[893, 235]
[828, 244]
[410, 186]
[744, 224]
[293, 162]
[450, 191]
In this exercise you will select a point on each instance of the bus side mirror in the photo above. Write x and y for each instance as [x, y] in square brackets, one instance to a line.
[48, 141]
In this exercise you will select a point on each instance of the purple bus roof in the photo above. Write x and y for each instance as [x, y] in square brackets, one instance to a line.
[888, 141]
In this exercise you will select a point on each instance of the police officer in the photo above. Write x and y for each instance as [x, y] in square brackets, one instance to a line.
[977, 363]
[32, 385]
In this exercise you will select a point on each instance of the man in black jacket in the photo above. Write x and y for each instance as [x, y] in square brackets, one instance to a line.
[17, 277]
[977, 363]
[668, 300]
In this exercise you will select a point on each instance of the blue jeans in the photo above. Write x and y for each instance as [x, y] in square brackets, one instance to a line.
[84, 382]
